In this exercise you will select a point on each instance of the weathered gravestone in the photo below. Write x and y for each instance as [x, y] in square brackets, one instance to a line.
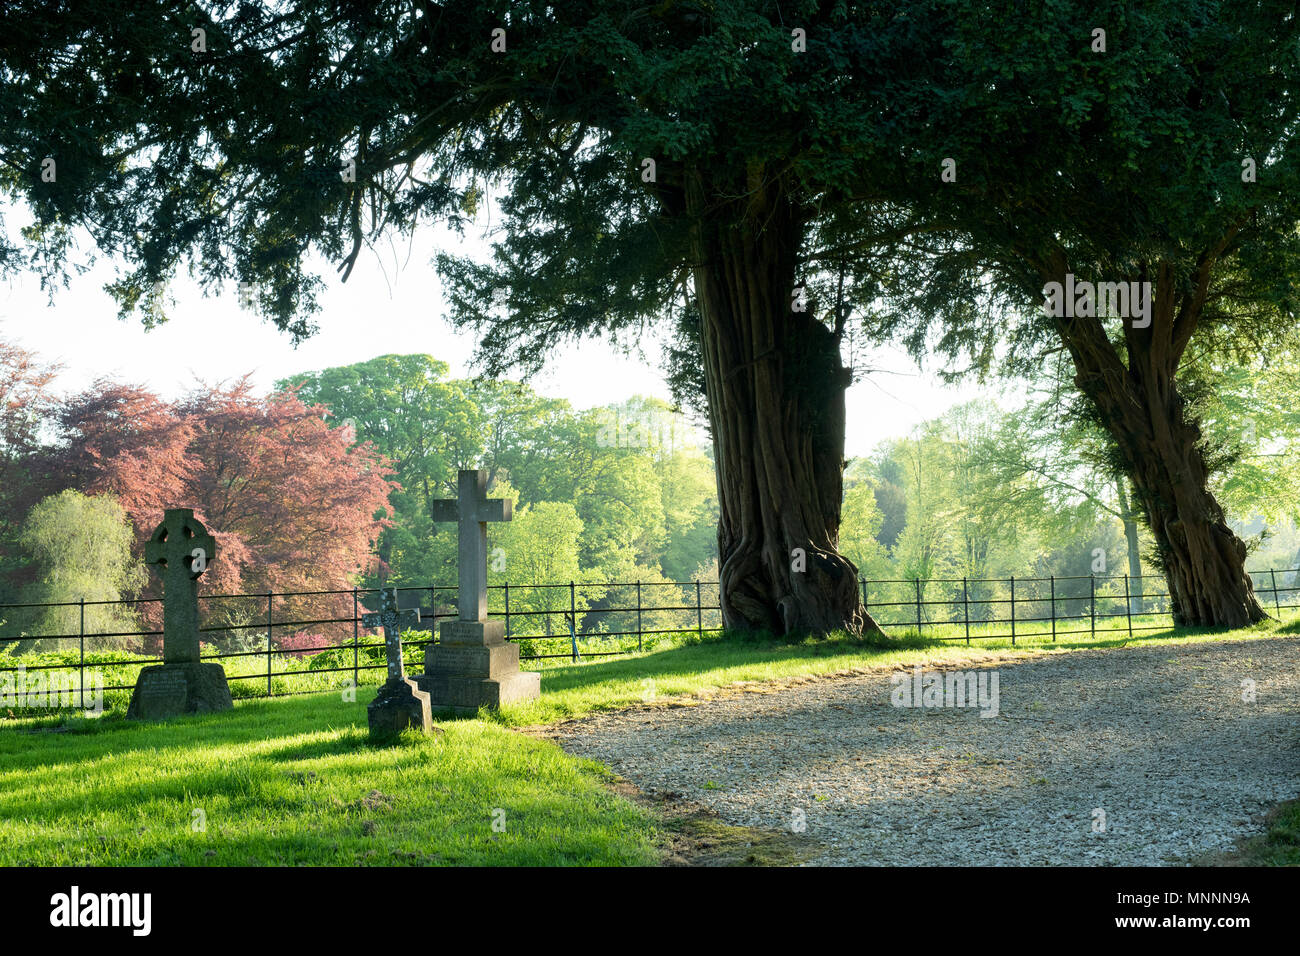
[182, 684]
[473, 665]
[400, 703]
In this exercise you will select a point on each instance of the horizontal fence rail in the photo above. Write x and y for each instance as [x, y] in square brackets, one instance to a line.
[312, 636]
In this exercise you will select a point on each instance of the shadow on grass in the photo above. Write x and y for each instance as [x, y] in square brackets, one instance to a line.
[73, 739]
[348, 742]
[721, 651]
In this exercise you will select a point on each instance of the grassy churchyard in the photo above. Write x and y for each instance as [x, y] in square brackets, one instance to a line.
[296, 780]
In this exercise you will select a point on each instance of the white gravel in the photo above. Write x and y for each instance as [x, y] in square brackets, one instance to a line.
[1158, 738]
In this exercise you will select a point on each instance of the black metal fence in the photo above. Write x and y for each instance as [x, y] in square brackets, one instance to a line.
[1051, 607]
[323, 632]
[587, 620]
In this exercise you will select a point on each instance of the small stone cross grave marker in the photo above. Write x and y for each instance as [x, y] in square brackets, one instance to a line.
[400, 703]
[391, 619]
[471, 509]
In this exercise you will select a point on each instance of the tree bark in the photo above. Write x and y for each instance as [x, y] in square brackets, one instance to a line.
[1159, 448]
[775, 386]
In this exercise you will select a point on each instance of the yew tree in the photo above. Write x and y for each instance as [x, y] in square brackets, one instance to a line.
[1104, 143]
[643, 164]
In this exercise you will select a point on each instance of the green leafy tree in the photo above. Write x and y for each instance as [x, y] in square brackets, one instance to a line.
[539, 554]
[519, 431]
[81, 548]
[690, 505]
[859, 534]
[427, 426]
[1249, 407]
[26, 401]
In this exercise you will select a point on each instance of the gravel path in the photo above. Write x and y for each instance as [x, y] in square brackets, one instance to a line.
[1157, 738]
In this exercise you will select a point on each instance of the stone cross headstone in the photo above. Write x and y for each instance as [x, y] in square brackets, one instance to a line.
[181, 549]
[473, 665]
[471, 509]
[391, 619]
[400, 703]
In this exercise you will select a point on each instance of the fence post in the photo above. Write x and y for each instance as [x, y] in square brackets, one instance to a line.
[638, 616]
[866, 604]
[699, 611]
[1128, 607]
[269, 597]
[1092, 606]
[356, 636]
[1276, 607]
[918, 606]
[507, 610]
[1013, 610]
[573, 619]
[82, 678]
[965, 603]
[1052, 578]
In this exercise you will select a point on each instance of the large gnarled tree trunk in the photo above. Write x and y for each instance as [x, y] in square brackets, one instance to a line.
[775, 385]
[1203, 560]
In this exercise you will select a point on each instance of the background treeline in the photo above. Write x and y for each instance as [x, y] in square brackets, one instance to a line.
[613, 495]
[1031, 489]
[327, 483]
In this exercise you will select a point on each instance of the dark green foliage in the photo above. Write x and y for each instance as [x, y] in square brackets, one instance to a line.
[234, 157]
[1116, 161]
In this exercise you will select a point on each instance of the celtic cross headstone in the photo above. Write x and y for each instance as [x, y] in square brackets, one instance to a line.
[181, 549]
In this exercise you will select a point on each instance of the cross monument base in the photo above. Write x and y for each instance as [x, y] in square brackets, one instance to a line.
[474, 666]
[167, 690]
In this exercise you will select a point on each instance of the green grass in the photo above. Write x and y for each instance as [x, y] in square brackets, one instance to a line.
[295, 780]
[1279, 845]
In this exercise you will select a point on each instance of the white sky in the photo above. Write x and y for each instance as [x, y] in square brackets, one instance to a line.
[389, 305]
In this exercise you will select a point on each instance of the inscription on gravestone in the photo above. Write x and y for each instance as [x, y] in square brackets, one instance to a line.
[165, 692]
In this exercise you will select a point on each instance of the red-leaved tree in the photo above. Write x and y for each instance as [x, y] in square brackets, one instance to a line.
[293, 506]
